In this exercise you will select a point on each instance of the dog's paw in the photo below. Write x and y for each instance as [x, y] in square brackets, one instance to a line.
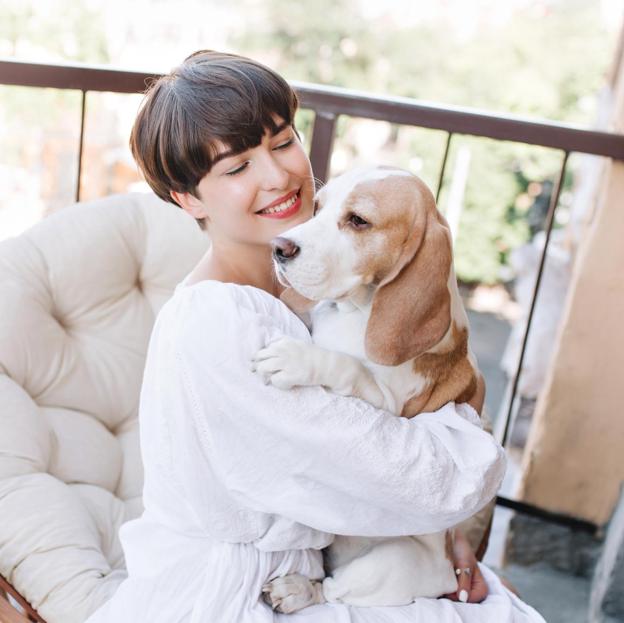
[291, 593]
[286, 363]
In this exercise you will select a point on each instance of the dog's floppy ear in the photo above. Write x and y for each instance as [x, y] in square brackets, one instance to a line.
[411, 309]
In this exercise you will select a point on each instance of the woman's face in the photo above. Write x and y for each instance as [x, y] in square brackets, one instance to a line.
[256, 195]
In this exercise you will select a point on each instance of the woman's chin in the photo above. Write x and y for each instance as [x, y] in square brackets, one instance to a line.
[301, 291]
[310, 294]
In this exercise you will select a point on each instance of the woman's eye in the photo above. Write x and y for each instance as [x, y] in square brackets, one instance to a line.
[285, 144]
[358, 222]
[238, 169]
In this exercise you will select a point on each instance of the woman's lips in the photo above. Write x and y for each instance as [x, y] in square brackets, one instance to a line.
[287, 213]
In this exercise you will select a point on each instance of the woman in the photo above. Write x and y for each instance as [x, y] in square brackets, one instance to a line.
[244, 482]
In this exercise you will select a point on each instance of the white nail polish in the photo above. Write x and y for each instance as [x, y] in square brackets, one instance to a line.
[463, 596]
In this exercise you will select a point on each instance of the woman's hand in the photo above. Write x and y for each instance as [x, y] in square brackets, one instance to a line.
[471, 585]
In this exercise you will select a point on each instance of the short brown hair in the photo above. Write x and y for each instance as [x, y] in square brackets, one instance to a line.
[211, 97]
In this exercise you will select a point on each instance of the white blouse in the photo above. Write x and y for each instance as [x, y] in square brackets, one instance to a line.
[244, 481]
[249, 462]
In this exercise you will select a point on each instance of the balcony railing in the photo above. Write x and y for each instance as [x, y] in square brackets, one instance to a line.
[328, 104]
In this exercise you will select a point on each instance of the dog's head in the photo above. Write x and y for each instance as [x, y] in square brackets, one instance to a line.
[376, 227]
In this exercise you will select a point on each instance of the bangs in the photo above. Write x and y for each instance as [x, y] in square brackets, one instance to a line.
[211, 100]
[234, 111]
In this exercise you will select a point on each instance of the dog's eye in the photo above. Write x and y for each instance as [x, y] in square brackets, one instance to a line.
[358, 222]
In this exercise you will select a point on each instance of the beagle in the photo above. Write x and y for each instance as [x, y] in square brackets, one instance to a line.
[374, 271]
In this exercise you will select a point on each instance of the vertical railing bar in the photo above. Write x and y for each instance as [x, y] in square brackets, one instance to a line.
[322, 143]
[81, 141]
[449, 135]
[550, 219]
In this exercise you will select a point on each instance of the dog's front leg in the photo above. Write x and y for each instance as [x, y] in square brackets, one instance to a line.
[287, 362]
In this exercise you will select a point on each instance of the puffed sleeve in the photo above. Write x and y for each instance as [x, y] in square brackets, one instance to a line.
[330, 462]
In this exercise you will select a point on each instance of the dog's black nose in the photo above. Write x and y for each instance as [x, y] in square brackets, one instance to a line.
[284, 249]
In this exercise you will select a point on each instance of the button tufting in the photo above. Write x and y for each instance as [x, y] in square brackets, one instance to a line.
[67, 482]
[58, 318]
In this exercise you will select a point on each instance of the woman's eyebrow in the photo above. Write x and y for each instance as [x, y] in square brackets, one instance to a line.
[224, 154]
[280, 127]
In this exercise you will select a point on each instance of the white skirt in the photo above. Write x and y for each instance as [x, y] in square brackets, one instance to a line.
[212, 582]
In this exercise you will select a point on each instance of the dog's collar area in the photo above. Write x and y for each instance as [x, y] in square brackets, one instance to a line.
[346, 306]
[359, 300]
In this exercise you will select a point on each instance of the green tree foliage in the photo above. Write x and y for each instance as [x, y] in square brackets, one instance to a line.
[547, 65]
[548, 61]
[63, 30]
[66, 29]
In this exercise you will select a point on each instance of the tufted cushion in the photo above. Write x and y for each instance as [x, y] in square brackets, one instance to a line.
[78, 297]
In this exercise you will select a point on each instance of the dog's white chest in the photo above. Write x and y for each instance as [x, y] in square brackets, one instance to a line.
[342, 327]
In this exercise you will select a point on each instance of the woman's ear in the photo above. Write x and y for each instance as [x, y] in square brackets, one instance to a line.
[190, 204]
[411, 311]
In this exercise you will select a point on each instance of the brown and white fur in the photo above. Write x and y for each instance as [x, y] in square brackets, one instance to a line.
[388, 326]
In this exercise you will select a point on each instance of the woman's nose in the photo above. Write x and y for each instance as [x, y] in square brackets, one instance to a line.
[274, 175]
[284, 249]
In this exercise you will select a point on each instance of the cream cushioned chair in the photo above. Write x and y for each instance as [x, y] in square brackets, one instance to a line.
[78, 296]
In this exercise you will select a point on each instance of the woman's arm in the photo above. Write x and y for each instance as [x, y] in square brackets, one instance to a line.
[331, 462]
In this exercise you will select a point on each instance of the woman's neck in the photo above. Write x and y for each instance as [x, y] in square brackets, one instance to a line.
[247, 265]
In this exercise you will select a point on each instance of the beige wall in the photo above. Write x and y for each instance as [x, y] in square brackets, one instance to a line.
[574, 460]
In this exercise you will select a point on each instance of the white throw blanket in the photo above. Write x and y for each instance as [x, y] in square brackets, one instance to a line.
[245, 482]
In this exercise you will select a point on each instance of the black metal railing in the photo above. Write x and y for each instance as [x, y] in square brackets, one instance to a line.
[328, 104]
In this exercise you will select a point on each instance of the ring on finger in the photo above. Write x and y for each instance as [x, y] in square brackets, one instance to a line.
[465, 570]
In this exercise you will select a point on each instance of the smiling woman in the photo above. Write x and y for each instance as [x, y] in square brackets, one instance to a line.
[244, 482]
[217, 138]
[270, 181]
[222, 112]
[245, 200]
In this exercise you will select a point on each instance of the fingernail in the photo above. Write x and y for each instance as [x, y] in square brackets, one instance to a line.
[463, 595]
